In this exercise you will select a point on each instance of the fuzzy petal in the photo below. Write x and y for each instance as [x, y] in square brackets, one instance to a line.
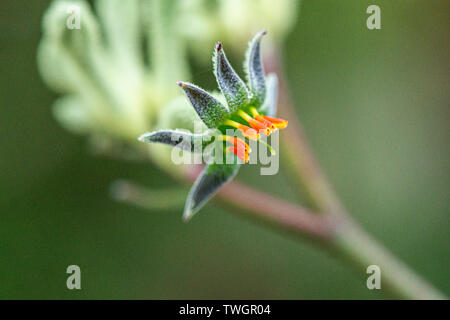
[180, 139]
[255, 70]
[210, 180]
[270, 103]
[209, 109]
[231, 85]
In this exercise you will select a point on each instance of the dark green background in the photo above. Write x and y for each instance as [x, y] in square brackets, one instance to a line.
[373, 103]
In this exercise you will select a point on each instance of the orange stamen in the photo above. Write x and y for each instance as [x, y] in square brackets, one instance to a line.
[261, 127]
[266, 122]
[255, 124]
[239, 152]
[237, 142]
[248, 132]
[278, 122]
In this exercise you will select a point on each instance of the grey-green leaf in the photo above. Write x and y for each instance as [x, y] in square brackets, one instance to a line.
[270, 103]
[209, 109]
[210, 180]
[180, 139]
[255, 70]
[231, 85]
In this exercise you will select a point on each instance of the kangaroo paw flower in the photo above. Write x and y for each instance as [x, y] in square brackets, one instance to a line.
[249, 108]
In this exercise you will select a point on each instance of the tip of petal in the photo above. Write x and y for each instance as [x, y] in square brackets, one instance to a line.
[142, 137]
[219, 46]
[262, 33]
[282, 125]
[187, 215]
[180, 83]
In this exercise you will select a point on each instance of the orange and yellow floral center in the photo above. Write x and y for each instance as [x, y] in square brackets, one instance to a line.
[257, 124]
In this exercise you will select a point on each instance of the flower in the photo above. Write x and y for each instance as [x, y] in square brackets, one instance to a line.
[249, 108]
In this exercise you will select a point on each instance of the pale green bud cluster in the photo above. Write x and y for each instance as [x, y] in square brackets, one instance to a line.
[110, 85]
[115, 64]
[235, 21]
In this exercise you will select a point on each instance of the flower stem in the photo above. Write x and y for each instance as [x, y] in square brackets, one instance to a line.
[274, 211]
[355, 246]
[349, 240]
[297, 151]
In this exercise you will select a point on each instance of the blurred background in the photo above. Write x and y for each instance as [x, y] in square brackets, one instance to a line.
[374, 104]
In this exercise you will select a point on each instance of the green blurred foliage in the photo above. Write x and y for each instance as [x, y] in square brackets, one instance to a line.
[374, 104]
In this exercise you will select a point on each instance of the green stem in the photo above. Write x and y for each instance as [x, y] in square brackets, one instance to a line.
[350, 241]
[273, 211]
[357, 247]
[150, 199]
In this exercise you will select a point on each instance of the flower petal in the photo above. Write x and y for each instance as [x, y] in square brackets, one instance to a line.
[231, 85]
[210, 110]
[180, 139]
[270, 103]
[255, 70]
[210, 180]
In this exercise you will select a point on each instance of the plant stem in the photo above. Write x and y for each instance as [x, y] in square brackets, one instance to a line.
[355, 246]
[300, 158]
[132, 193]
[349, 240]
[274, 211]
[334, 228]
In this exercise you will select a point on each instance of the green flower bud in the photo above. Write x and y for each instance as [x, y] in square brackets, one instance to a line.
[235, 21]
[65, 55]
[72, 113]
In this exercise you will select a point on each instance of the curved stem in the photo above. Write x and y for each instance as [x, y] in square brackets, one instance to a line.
[349, 241]
[274, 211]
[297, 151]
[261, 206]
[357, 247]
[132, 193]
